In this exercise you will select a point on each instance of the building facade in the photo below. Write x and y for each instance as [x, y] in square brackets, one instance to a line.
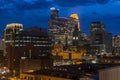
[9, 34]
[32, 43]
[9, 37]
[110, 73]
[1, 52]
[1, 44]
[116, 44]
[66, 33]
[61, 29]
[100, 39]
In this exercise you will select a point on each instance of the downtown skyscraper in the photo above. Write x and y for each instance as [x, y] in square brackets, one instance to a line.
[61, 28]
[23, 44]
[101, 40]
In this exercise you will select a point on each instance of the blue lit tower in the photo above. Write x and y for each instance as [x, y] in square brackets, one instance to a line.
[53, 29]
[54, 13]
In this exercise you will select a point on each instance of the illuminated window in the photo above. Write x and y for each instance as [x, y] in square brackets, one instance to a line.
[76, 37]
[73, 37]
[16, 45]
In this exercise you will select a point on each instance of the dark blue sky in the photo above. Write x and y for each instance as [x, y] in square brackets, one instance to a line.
[36, 12]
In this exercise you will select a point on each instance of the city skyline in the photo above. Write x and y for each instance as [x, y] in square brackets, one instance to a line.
[37, 12]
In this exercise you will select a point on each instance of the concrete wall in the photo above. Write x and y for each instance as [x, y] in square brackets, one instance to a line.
[110, 73]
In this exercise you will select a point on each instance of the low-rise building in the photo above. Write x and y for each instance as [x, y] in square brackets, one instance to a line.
[68, 72]
[109, 59]
[112, 73]
[40, 77]
[30, 65]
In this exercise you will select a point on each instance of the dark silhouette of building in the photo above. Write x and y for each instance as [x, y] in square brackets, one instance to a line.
[1, 58]
[9, 38]
[37, 38]
[31, 43]
[116, 44]
[76, 36]
[1, 52]
[97, 33]
[54, 13]
[100, 39]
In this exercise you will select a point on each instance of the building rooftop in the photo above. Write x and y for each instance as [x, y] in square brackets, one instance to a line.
[73, 71]
[34, 31]
[13, 25]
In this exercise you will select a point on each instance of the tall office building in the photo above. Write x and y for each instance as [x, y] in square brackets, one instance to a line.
[101, 40]
[61, 29]
[53, 28]
[1, 51]
[54, 13]
[66, 33]
[37, 38]
[9, 37]
[73, 27]
[31, 43]
[1, 44]
[97, 31]
[9, 34]
[76, 36]
[116, 44]
[74, 19]
[108, 42]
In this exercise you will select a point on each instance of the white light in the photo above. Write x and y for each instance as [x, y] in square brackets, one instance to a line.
[52, 8]
[73, 37]
[3, 72]
[76, 37]
[93, 61]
